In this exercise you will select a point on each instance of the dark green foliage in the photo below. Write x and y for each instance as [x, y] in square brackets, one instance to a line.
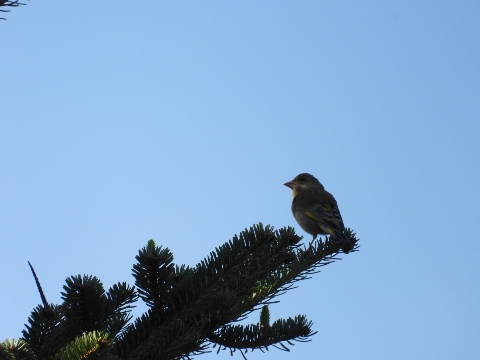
[90, 345]
[41, 333]
[85, 308]
[153, 275]
[84, 301]
[265, 316]
[259, 336]
[15, 349]
[189, 308]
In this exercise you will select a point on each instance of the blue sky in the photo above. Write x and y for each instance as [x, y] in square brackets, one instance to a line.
[180, 121]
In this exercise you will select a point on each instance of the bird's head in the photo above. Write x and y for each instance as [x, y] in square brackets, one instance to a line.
[302, 182]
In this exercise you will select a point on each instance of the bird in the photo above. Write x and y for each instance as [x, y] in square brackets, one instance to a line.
[315, 209]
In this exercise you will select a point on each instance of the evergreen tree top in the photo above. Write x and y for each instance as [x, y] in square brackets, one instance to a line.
[190, 308]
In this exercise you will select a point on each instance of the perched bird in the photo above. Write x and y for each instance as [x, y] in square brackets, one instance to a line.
[315, 209]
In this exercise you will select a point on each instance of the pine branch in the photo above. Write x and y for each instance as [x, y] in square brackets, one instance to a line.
[259, 336]
[119, 299]
[92, 343]
[189, 308]
[85, 301]
[40, 334]
[153, 275]
[15, 349]
[248, 271]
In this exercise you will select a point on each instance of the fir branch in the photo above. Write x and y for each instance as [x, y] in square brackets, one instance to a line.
[84, 300]
[90, 344]
[15, 349]
[248, 271]
[117, 306]
[153, 275]
[190, 308]
[259, 336]
[40, 336]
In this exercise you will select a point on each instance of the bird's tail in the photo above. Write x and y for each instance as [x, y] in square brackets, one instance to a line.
[345, 236]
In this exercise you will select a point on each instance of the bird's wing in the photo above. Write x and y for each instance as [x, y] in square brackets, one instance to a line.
[323, 208]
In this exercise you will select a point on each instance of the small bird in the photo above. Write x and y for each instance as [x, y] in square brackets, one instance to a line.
[315, 209]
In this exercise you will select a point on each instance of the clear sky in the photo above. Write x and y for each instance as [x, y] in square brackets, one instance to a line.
[180, 121]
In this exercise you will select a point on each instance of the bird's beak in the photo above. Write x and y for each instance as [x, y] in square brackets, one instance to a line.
[290, 184]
